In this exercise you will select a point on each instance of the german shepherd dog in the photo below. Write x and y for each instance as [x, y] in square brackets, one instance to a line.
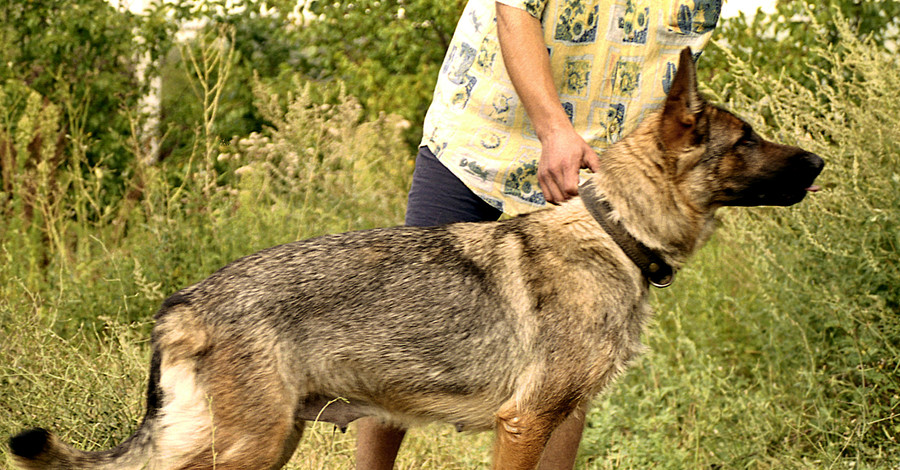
[508, 325]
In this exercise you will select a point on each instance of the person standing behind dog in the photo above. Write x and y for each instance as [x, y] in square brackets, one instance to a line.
[529, 92]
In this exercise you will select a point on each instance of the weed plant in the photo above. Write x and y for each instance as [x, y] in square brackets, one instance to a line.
[778, 347]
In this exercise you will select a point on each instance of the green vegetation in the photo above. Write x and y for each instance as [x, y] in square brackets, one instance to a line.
[778, 347]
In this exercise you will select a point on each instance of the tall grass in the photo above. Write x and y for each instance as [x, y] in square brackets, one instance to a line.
[778, 347]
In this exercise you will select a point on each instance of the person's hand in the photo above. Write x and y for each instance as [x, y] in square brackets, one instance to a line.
[563, 154]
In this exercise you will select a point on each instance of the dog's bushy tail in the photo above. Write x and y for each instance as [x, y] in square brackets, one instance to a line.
[38, 449]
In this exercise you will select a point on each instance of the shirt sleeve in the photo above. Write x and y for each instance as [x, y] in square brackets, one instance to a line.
[534, 8]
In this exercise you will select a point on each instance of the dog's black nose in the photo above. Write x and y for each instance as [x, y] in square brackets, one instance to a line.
[815, 162]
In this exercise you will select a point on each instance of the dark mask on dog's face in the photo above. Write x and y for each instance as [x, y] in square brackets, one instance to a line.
[756, 172]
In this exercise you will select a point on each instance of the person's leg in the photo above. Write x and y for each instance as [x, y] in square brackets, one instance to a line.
[377, 444]
[436, 197]
[562, 448]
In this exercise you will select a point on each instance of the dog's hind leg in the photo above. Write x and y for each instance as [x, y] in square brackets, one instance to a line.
[290, 444]
[226, 404]
[230, 415]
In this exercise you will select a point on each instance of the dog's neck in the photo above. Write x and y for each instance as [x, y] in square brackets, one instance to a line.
[645, 201]
[651, 263]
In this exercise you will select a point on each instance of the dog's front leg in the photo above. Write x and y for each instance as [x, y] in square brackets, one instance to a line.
[521, 437]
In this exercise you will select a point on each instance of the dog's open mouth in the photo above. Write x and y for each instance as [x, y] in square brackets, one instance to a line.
[813, 189]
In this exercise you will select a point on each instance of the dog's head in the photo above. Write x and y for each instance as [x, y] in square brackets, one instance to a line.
[717, 153]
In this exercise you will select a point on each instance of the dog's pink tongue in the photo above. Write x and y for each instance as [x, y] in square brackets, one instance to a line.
[813, 188]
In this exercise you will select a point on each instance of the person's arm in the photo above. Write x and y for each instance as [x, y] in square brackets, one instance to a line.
[563, 151]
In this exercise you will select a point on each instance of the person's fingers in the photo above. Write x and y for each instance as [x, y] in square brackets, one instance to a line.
[550, 187]
[560, 184]
[591, 160]
[570, 180]
[558, 170]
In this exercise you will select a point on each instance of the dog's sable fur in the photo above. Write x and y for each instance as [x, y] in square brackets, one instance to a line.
[506, 325]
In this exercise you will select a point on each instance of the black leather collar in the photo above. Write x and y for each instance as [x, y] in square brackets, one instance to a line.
[651, 264]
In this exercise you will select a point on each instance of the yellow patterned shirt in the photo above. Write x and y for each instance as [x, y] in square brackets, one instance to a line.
[612, 62]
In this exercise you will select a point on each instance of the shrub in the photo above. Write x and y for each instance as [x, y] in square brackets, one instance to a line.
[837, 261]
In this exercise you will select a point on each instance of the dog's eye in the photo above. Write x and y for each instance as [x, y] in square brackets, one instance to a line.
[748, 139]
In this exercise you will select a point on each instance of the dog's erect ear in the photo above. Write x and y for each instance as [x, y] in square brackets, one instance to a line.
[683, 103]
